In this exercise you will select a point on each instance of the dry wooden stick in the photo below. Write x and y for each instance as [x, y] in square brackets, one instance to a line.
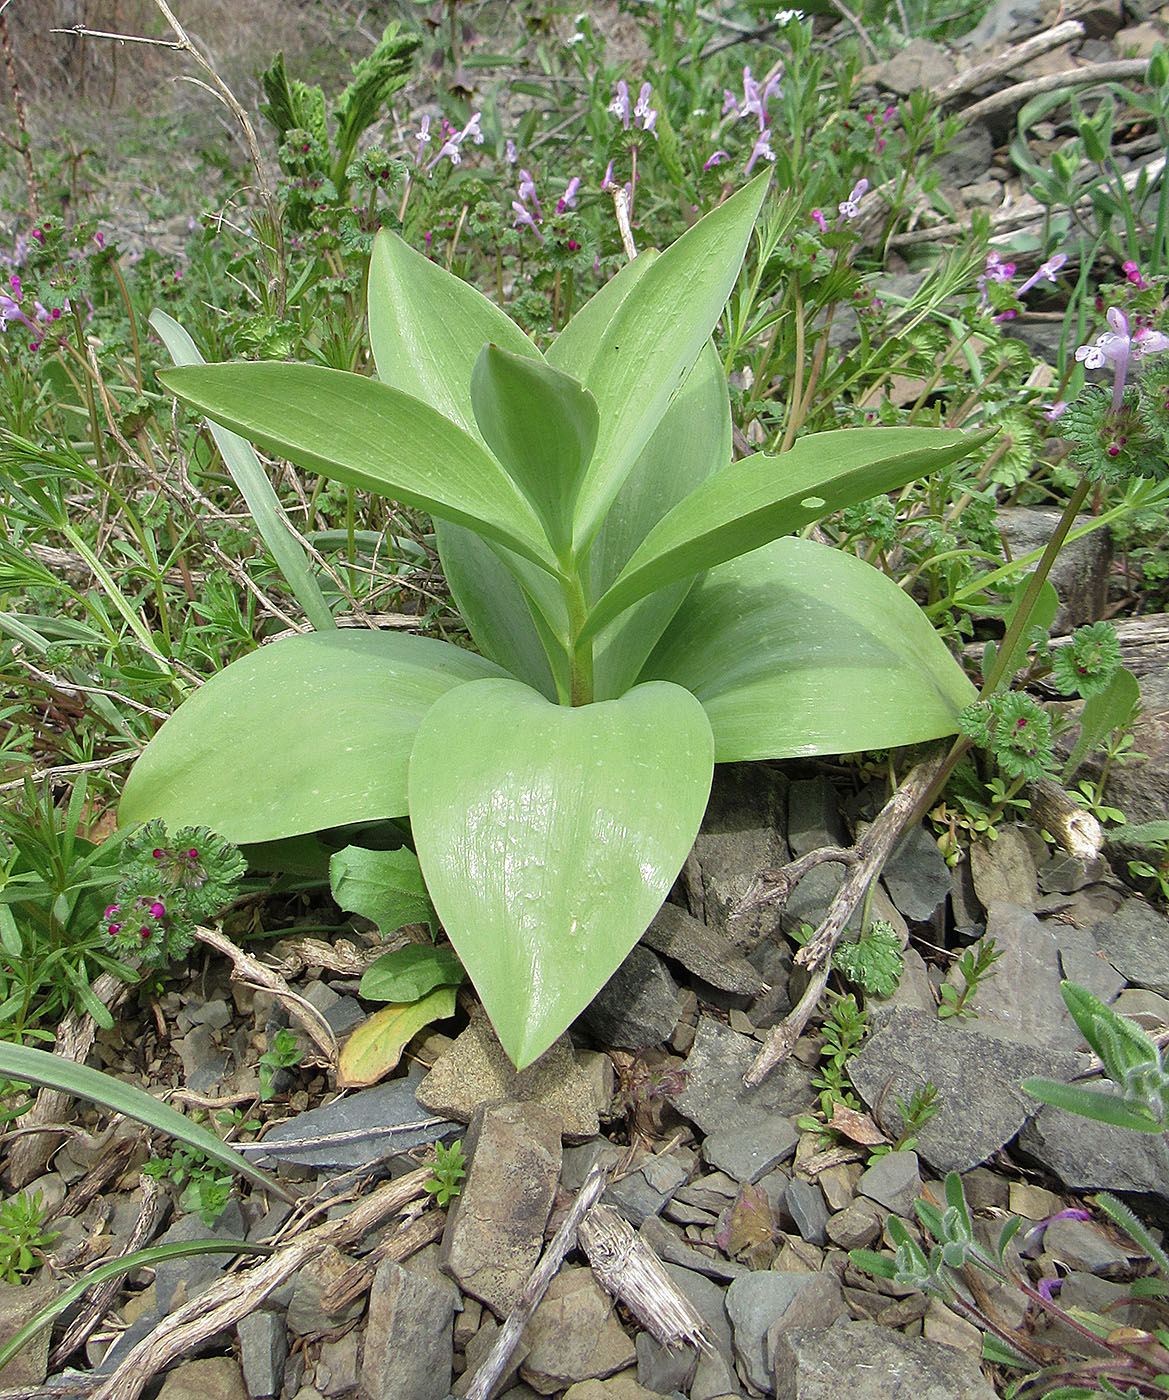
[223, 1304]
[246, 968]
[500, 1354]
[872, 850]
[350, 1285]
[1116, 71]
[628, 1268]
[1008, 60]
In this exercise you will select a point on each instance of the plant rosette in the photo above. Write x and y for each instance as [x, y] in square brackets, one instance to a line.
[641, 608]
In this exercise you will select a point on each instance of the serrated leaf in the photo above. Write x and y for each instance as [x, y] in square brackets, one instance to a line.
[410, 973]
[376, 1046]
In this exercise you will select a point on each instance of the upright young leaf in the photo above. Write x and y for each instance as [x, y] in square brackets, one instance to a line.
[549, 835]
[542, 426]
[651, 341]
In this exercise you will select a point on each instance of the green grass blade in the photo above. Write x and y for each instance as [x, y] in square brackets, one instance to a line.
[47, 1071]
[241, 461]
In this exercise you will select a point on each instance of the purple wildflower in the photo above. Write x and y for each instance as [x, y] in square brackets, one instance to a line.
[761, 151]
[422, 136]
[524, 219]
[528, 193]
[643, 111]
[1057, 410]
[1045, 272]
[716, 159]
[509, 152]
[1119, 345]
[568, 199]
[819, 220]
[620, 103]
[1133, 273]
[849, 208]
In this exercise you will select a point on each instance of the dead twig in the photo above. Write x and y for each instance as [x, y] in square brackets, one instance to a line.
[223, 1304]
[500, 1354]
[355, 1281]
[871, 851]
[1008, 60]
[1118, 70]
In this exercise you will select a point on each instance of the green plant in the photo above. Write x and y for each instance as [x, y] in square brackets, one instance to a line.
[22, 1235]
[975, 964]
[1130, 1058]
[285, 1052]
[555, 783]
[1154, 835]
[873, 963]
[204, 1191]
[844, 1030]
[922, 1106]
[450, 1167]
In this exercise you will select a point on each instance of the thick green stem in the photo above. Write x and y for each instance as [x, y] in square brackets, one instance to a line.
[581, 660]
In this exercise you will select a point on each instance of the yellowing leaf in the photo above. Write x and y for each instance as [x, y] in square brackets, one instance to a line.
[376, 1046]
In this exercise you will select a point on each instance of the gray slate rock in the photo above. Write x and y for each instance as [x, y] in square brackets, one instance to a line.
[822, 1364]
[750, 1152]
[1077, 1244]
[980, 1104]
[804, 1202]
[263, 1350]
[894, 1181]
[762, 1306]
[408, 1346]
[917, 876]
[669, 1248]
[919, 64]
[373, 1113]
[204, 1063]
[342, 1013]
[338, 1365]
[662, 1369]
[1080, 572]
[646, 1191]
[18, 1304]
[1003, 870]
[742, 833]
[305, 1316]
[857, 1226]
[207, 1378]
[714, 1379]
[1136, 942]
[1091, 1156]
[573, 1335]
[702, 951]
[813, 815]
[714, 1097]
[495, 1231]
[1080, 961]
[177, 1281]
[637, 1007]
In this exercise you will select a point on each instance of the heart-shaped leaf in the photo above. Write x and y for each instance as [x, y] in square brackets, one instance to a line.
[550, 836]
[376, 1046]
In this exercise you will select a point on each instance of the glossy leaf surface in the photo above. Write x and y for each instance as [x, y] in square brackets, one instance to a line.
[757, 499]
[309, 732]
[541, 424]
[549, 837]
[800, 649]
[366, 434]
[651, 341]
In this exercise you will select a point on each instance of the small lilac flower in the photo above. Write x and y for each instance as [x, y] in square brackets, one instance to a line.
[731, 104]
[620, 103]
[528, 193]
[422, 136]
[761, 151]
[524, 219]
[1117, 346]
[449, 148]
[716, 159]
[471, 131]
[1057, 410]
[642, 108]
[651, 123]
[819, 220]
[1045, 272]
[1133, 273]
[568, 199]
[755, 97]
[509, 153]
[608, 183]
[849, 208]
[997, 270]
[1048, 1286]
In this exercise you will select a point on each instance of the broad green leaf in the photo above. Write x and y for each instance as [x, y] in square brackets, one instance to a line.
[427, 327]
[576, 348]
[29, 1066]
[1043, 613]
[1111, 708]
[376, 1046]
[651, 341]
[801, 649]
[310, 732]
[692, 441]
[409, 973]
[241, 461]
[542, 426]
[1091, 1014]
[366, 434]
[549, 837]
[749, 503]
[385, 886]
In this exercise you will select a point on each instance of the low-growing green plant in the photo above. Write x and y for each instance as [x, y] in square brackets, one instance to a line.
[204, 1191]
[638, 610]
[874, 962]
[450, 1167]
[1155, 836]
[285, 1052]
[844, 1030]
[22, 1235]
[975, 965]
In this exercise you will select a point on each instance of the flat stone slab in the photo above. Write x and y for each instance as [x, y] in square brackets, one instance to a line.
[980, 1104]
[714, 1097]
[1135, 940]
[357, 1130]
[1091, 1156]
[702, 951]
